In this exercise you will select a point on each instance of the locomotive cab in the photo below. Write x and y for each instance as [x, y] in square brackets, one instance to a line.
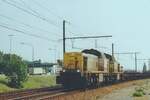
[73, 61]
[71, 75]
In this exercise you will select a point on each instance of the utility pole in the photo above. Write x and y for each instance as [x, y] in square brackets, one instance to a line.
[146, 60]
[149, 64]
[30, 45]
[131, 53]
[102, 47]
[64, 37]
[112, 50]
[135, 54]
[96, 44]
[10, 39]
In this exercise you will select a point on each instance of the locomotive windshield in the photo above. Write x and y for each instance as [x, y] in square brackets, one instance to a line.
[73, 61]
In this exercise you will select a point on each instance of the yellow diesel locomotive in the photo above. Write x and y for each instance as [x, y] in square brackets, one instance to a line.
[88, 68]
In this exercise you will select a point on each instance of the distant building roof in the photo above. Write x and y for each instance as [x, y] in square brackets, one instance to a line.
[40, 64]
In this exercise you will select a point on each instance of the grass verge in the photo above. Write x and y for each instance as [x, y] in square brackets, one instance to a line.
[35, 81]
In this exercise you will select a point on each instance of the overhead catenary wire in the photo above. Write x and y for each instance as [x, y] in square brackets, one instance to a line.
[61, 18]
[24, 24]
[48, 10]
[25, 33]
[28, 7]
[35, 12]
[31, 13]
[74, 33]
[76, 27]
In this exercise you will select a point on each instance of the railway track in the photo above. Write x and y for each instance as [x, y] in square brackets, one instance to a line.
[48, 93]
[34, 94]
[25, 93]
[38, 95]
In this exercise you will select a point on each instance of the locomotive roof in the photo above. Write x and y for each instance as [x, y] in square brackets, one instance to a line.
[93, 51]
[108, 56]
[97, 53]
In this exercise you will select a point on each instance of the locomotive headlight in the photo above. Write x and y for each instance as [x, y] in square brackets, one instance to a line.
[78, 70]
[64, 70]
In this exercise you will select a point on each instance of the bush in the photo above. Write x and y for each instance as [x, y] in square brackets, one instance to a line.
[15, 70]
[139, 92]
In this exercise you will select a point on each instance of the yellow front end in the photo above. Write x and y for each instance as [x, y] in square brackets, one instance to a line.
[73, 61]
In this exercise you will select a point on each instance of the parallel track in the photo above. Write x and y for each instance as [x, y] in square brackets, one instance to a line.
[22, 93]
[47, 92]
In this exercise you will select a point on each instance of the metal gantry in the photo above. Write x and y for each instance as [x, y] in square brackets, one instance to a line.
[73, 38]
[131, 53]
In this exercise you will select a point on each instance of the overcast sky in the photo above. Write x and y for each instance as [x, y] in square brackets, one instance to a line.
[127, 21]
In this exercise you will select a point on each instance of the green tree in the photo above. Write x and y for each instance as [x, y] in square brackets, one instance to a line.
[1, 62]
[15, 69]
